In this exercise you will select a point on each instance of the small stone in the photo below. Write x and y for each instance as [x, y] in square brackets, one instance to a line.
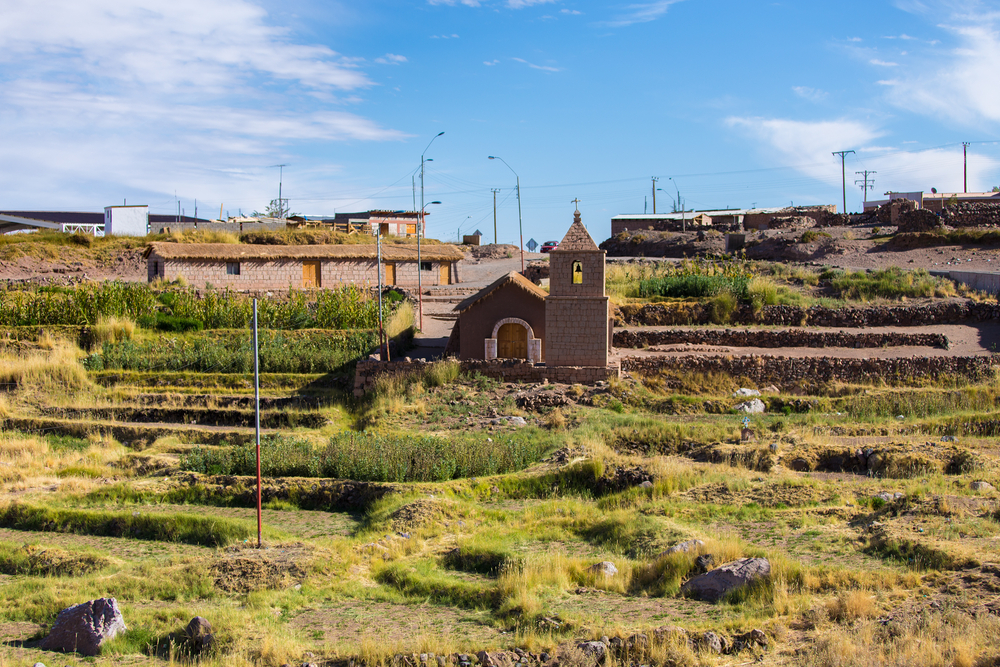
[980, 485]
[684, 547]
[607, 568]
[712, 642]
[752, 407]
[743, 392]
[646, 485]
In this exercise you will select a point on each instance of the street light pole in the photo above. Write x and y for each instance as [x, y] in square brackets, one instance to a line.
[679, 204]
[520, 228]
[420, 291]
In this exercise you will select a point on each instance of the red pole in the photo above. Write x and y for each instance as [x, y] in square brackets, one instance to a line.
[256, 400]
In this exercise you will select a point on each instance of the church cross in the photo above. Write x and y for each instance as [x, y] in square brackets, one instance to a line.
[577, 202]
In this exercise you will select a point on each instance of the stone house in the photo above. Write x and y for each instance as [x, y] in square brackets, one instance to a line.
[280, 267]
[570, 326]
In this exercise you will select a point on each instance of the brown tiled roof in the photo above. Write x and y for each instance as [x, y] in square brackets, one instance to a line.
[237, 251]
[512, 278]
[577, 238]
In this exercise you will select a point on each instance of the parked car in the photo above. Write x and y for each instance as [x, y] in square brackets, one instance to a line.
[549, 245]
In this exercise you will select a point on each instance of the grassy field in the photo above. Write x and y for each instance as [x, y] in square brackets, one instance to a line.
[462, 531]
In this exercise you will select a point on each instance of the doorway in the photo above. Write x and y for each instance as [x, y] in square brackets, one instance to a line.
[512, 342]
[445, 278]
[311, 275]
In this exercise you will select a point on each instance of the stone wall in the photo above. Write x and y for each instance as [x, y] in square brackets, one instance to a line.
[972, 214]
[783, 371]
[771, 338]
[672, 314]
[508, 370]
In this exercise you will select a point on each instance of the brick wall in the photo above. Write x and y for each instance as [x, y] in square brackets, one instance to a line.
[561, 273]
[576, 331]
[282, 274]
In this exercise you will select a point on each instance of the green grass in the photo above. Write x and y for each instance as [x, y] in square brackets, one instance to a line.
[31, 559]
[892, 283]
[376, 457]
[188, 529]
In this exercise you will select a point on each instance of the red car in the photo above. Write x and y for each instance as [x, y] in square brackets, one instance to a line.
[549, 246]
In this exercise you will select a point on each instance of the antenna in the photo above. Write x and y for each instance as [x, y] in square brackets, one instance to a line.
[281, 202]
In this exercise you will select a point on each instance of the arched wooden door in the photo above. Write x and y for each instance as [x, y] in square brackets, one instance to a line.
[512, 342]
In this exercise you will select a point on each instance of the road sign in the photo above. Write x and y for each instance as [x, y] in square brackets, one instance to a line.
[532, 244]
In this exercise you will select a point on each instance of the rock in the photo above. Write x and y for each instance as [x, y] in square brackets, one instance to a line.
[714, 585]
[84, 627]
[199, 634]
[684, 547]
[704, 562]
[747, 435]
[607, 568]
[749, 640]
[771, 389]
[743, 392]
[596, 650]
[981, 486]
[646, 485]
[949, 438]
[711, 641]
[752, 407]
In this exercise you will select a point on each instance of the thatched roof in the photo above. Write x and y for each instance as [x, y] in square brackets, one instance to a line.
[513, 278]
[238, 251]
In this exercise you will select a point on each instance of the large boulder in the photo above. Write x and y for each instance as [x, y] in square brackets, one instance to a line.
[84, 627]
[199, 635]
[754, 407]
[715, 584]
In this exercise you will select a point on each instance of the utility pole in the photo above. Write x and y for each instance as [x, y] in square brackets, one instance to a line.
[420, 224]
[495, 191]
[655, 179]
[965, 166]
[843, 177]
[413, 180]
[866, 183]
[281, 202]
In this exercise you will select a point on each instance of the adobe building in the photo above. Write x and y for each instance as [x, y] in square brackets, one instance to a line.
[569, 329]
[251, 267]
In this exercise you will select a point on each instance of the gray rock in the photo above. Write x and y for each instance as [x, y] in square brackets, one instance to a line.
[607, 568]
[646, 485]
[684, 547]
[714, 585]
[743, 392]
[711, 642]
[84, 627]
[704, 562]
[980, 485]
[199, 634]
[596, 650]
[752, 407]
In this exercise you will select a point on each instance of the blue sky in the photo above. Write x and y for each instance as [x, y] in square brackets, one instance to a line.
[740, 103]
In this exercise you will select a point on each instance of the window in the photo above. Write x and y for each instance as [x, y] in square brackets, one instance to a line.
[577, 273]
[156, 268]
[232, 268]
[425, 266]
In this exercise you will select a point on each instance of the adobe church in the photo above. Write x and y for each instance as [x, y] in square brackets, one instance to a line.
[568, 328]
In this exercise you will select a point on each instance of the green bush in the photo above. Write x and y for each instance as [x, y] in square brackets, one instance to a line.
[170, 323]
[371, 457]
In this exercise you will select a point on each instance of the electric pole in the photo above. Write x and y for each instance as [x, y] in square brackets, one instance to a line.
[843, 176]
[495, 191]
[965, 166]
[655, 179]
[281, 202]
[866, 183]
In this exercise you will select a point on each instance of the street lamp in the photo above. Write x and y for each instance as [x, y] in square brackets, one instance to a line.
[679, 203]
[520, 229]
[421, 224]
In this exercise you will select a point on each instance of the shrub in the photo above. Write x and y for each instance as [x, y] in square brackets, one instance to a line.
[811, 236]
[762, 291]
[111, 329]
[722, 308]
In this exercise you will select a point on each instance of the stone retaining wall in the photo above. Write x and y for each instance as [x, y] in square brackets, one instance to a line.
[972, 214]
[771, 338]
[950, 312]
[793, 370]
[508, 370]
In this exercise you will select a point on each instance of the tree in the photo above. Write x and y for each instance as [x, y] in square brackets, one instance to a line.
[275, 209]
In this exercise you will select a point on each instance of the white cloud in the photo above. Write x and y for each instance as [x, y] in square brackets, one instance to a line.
[390, 59]
[451, 36]
[521, 4]
[811, 94]
[150, 95]
[452, 3]
[491, 63]
[953, 83]
[882, 63]
[545, 68]
[808, 146]
[642, 13]
[574, 12]
[854, 39]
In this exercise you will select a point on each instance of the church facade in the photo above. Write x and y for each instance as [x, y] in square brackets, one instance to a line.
[568, 327]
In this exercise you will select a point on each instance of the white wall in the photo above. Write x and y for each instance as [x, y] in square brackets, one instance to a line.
[126, 220]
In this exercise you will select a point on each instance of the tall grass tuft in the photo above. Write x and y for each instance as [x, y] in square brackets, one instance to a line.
[111, 329]
[54, 371]
[373, 457]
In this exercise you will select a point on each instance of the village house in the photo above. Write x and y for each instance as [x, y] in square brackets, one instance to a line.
[568, 329]
[251, 267]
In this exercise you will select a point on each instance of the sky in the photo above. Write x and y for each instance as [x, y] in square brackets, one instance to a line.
[728, 104]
